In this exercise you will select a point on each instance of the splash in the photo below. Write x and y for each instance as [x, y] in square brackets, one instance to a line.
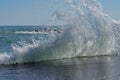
[87, 31]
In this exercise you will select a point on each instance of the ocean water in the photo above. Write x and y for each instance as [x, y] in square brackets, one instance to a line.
[88, 41]
[84, 30]
[16, 35]
[95, 68]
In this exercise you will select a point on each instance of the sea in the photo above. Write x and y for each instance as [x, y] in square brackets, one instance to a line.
[81, 42]
[92, 68]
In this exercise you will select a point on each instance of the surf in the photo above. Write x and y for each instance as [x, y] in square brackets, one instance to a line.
[87, 31]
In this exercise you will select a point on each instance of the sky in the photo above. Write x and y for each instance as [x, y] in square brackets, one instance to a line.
[38, 12]
[111, 7]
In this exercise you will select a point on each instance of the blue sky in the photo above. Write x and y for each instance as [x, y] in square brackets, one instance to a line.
[37, 12]
[111, 7]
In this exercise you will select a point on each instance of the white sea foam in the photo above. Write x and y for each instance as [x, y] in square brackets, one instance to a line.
[30, 32]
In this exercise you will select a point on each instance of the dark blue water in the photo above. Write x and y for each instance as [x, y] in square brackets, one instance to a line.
[96, 68]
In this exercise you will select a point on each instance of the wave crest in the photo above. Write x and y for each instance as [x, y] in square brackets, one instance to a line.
[87, 31]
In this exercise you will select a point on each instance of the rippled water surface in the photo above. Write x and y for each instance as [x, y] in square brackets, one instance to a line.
[96, 68]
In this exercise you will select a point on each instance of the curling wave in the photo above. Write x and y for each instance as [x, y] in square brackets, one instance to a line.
[87, 31]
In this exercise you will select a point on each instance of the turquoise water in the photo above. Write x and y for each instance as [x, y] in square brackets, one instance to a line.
[19, 44]
[9, 36]
[14, 34]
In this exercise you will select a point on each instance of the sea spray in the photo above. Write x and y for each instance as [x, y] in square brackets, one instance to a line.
[86, 31]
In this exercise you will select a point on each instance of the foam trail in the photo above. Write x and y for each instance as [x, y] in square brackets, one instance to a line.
[27, 32]
[30, 32]
[87, 31]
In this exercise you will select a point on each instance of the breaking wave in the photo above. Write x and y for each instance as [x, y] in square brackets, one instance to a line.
[86, 31]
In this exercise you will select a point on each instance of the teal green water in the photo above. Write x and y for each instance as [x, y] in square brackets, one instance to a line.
[13, 34]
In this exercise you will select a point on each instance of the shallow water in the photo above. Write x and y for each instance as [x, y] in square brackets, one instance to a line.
[93, 68]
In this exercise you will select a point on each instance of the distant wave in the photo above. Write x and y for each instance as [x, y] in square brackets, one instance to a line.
[30, 32]
[23, 32]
